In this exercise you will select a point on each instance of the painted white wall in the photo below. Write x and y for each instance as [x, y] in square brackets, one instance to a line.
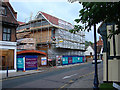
[88, 50]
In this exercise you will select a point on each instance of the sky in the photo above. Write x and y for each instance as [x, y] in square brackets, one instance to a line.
[59, 8]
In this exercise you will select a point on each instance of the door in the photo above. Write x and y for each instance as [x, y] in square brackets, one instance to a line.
[3, 63]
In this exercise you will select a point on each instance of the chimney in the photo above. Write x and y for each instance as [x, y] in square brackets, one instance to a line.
[5, 0]
[15, 14]
[99, 38]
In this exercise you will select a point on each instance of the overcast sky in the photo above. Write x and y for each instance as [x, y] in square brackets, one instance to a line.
[58, 8]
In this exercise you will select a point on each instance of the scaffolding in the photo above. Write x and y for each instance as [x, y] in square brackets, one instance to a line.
[53, 34]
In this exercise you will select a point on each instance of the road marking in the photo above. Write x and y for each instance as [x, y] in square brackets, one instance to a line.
[69, 76]
[71, 81]
[115, 85]
[64, 85]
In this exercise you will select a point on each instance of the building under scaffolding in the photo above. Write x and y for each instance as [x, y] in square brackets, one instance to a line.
[52, 35]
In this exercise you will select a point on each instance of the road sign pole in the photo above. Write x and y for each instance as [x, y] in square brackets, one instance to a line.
[96, 82]
[7, 70]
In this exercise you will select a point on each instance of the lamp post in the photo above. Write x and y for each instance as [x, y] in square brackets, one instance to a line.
[96, 82]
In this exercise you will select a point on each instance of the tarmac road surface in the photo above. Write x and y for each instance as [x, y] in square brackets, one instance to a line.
[80, 76]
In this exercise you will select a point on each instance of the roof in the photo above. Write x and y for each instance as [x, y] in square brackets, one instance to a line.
[31, 51]
[100, 27]
[54, 20]
[51, 18]
[11, 14]
[103, 26]
[20, 23]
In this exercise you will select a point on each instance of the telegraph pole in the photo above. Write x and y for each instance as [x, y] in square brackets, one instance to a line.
[96, 82]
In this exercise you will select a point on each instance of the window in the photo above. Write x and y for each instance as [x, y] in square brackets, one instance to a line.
[2, 10]
[90, 53]
[6, 34]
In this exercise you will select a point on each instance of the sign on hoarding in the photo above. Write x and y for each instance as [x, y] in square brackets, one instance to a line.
[64, 60]
[43, 60]
[20, 63]
[30, 62]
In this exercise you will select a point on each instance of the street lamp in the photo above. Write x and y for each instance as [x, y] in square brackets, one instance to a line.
[96, 82]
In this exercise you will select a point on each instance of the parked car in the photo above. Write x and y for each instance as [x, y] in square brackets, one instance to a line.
[98, 61]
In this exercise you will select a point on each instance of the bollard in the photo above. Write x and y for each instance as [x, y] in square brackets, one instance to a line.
[7, 70]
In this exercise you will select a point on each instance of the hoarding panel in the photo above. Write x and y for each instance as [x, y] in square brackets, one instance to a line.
[30, 62]
[81, 59]
[43, 60]
[70, 60]
[73, 59]
[78, 59]
[20, 63]
[64, 60]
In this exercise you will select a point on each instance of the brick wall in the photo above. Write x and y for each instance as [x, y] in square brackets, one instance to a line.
[100, 42]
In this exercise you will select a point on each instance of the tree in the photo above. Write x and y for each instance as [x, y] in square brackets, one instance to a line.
[96, 12]
[87, 43]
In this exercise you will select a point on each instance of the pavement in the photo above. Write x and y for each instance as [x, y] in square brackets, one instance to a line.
[41, 69]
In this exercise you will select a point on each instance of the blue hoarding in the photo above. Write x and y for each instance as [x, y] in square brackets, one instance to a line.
[30, 62]
[64, 60]
[72, 59]
[20, 63]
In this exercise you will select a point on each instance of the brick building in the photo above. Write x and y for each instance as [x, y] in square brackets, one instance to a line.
[8, 25]
[100, 42]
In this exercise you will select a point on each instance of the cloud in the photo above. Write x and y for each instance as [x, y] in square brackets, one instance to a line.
[58, 8]
[38, 0]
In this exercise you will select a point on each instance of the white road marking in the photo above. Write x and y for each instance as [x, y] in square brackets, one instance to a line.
[116, 86]
[69, 76]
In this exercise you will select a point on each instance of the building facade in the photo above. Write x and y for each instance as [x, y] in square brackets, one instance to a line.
[52, 35]
[8, 25]
[89, 53]
[111, 53]
[100, 42]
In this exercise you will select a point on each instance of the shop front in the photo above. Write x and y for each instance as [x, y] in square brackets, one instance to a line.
[8, 56]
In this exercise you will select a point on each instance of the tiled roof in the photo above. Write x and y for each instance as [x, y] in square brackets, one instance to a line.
[51, 18]
[20, 23]
[54, 20]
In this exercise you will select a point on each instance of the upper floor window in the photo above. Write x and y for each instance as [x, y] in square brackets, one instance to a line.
[6, 34]
[2, 10]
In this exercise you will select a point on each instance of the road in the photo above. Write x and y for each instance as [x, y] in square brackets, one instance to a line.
[71, 77]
